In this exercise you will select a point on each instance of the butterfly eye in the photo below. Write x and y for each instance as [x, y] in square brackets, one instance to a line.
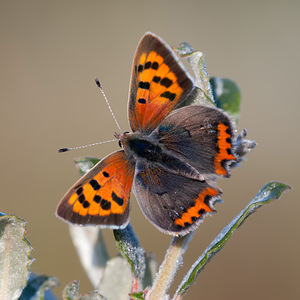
[120, 144]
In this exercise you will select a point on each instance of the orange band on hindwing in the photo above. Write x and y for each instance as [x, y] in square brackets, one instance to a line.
[201, 206]
[225, 146]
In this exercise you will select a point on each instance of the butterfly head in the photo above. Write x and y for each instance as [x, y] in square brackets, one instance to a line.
[122, 137]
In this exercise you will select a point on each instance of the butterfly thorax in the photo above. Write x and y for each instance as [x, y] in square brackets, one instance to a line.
[141, 147]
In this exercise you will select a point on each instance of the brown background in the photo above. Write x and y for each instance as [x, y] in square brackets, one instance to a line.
[50, 53]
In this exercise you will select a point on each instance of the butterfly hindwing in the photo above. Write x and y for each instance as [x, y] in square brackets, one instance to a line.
[199, 135]
[159, 83]
[173, 203]
[102, 195]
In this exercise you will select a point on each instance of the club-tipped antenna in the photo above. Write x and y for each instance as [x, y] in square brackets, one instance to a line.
[85, 146]
[100, 87]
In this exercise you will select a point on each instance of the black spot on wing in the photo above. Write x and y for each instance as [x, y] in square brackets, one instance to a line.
[155, 65]
[97, 199]
[166, 82]
[207, 198]
[117, 199]
[140, 68]
[85, 204]
[142, 100]
[168, 95]
[144, 85]
[79, 191]
[147, 65]
[94, 184]
[201, 211]
[156, 79]
[105, 205]
[81, 198]
[105, 174]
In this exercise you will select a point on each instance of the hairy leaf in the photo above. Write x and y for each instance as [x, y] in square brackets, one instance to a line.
[15, 257]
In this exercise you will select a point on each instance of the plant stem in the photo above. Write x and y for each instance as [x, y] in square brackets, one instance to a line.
[169, 267]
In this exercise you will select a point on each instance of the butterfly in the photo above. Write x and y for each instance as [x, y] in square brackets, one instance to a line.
[170, 160]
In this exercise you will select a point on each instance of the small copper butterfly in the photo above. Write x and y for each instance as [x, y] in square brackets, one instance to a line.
[171, 159]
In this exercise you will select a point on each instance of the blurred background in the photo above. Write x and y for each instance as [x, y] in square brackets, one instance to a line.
[51, 51]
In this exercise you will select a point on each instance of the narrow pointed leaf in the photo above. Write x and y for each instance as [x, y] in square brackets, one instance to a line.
[71, 291]
[198, 97]
[271, 191]
[84, 164]
[131, 250]
[184, 49]
[227, 95]
[202, 94]
[137, 296]
[15, 257]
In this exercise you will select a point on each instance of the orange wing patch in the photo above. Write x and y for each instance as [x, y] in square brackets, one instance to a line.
[158, 90]
[159, 83]
[102, 195]
[224, 145]
[201, 206]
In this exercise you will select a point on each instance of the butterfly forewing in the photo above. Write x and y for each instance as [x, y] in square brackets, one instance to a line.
[159, 83]
[102, 195]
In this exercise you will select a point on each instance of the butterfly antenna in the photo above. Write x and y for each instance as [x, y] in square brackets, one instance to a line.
[85, 146]
[100, 87]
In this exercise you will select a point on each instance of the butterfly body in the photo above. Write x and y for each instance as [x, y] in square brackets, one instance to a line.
[171, 160]
[149, 149]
